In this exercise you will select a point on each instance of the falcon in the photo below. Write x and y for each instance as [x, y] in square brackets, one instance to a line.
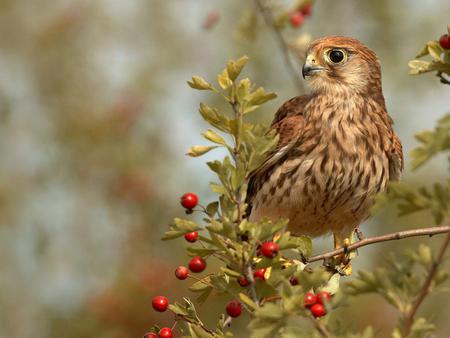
[337, 148]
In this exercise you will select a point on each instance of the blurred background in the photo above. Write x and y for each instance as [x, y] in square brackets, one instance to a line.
[95, 118]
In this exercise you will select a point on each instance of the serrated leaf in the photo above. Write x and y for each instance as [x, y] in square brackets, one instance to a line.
[196, 151]
[198, 82]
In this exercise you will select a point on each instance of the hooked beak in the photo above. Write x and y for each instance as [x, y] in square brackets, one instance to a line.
[309, 70]
[310, 67]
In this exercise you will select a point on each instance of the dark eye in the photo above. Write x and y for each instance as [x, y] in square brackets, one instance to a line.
[336, 55]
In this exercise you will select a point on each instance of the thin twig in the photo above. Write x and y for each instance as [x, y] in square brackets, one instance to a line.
[270, 22]
[384, 238]
[251, 279]
[321, 328]
[409, 320]
[199, 323]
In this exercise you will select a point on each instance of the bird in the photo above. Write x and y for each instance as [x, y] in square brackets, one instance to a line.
[337, 149]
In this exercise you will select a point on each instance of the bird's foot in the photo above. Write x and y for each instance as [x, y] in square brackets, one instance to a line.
[342, 263]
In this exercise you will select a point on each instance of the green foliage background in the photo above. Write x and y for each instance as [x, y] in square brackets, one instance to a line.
[95, 118]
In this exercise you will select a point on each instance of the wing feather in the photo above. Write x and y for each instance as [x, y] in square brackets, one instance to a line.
[289, 122]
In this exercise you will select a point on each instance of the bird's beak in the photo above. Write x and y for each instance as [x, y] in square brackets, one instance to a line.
[310, 67]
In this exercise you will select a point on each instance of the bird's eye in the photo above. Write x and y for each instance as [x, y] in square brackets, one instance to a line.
[336, 55]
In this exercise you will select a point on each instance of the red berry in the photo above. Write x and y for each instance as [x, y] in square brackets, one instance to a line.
[243, 281]
[310, 299]
[259, 274]
[165, 332]
[197, 264]
[306, 9]
[270, 249]
[160, 303]
[297, 19]
[191, 236]
[323, 297]
[294, 281]
[444, 41]
[318, 310]
[150, 335]
[182, 272]
[189, 200]
[234, 308]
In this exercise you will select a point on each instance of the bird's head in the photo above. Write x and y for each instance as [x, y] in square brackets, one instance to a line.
[341, 64]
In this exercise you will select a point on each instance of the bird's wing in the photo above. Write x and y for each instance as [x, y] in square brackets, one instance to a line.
[395, 156]
[289, 122]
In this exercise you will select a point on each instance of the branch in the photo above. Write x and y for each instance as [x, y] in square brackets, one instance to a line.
[270, 22]
[321, 328]
[409, 320]
[384, 238]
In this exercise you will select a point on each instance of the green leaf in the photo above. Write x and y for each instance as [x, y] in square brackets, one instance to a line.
[198, 82]
[196, 151]
[224, 80]
[212, 208]
[178, 309]
[186, 225]
[260, 96]
[212, 136]
[172, 234]
[246, 300]
[214, 118]
[234, 68]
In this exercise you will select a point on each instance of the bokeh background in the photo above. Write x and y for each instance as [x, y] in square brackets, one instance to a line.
[95, 118]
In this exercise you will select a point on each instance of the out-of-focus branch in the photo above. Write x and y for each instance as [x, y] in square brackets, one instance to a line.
[321, 328]
[384, 238]
[409, 320]
[284, 46]
[443, 79]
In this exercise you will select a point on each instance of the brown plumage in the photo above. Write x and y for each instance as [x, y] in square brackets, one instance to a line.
[337, 148]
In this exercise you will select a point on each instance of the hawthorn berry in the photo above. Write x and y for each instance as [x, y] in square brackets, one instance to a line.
[234, 308]
[259, 274]
[306, 9]
[294, 281]
[182, 272]
[189, 200]
[444, 41]
[318, 310]
[197, 264]
[150, 335]
[323, 297]
[191, 236]
[165, 332]
[310, 299]
[160, 303]
[270, 249]
[243, 281]
[297, 19]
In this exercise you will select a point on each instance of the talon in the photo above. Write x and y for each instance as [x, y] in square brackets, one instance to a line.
[359, 234]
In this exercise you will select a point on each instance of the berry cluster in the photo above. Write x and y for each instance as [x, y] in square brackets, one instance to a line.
[298, 17]
[316, 303]
[269, 249]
